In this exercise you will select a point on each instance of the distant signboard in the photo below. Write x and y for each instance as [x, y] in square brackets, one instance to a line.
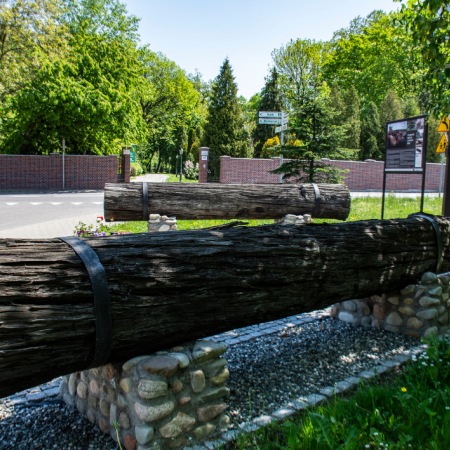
[271, 114]
[133, 153]
[406, 145]
[270, 121]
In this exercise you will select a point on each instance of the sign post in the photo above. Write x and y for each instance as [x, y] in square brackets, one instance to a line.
[275, 118]
[441, 149]
[406, 151]
[443, 127]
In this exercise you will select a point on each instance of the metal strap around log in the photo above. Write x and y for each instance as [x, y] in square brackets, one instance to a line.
[102, 301]
[437, 232]
[145, 201]
[317, 196]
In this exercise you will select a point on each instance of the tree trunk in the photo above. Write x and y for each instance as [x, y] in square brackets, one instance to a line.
[171, 288]
[192, 201]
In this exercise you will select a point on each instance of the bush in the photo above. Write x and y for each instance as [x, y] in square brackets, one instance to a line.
[136, 169]
[191, 170]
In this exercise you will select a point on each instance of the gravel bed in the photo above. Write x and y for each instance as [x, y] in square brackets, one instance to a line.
[266, 373]
[269, 371]
[50, 426]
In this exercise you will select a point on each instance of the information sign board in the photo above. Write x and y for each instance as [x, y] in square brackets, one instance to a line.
[405, 145]
[406, 150]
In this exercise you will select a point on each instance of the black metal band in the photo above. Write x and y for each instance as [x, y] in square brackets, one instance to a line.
[145, 200]
[438, 236]
[102, 302]
[317, 195]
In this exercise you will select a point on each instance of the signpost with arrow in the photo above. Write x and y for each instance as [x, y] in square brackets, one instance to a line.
[275, 118]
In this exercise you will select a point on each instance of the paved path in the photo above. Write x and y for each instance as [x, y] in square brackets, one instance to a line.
[151, 178]
[47, 214]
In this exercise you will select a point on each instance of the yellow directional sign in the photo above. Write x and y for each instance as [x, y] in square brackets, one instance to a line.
[442, 144]
[444, 125]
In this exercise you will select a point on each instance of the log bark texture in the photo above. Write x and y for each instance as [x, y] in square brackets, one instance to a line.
[192, 201]
[165, 291]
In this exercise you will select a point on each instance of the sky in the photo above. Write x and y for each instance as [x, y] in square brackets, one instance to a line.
[200, 34]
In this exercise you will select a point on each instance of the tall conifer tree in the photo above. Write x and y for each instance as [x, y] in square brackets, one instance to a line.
[270, 101]
[223, 131]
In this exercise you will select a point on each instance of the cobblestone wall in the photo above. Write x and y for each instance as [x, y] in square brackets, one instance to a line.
[418, 310]
[160, 401]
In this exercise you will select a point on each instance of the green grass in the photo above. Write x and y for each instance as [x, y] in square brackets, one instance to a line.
[408, 412]
[176, 178]
[363, 208]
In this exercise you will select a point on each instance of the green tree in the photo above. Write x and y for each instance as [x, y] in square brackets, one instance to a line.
[106, 18]
[410, 106]
[84, 98]
[313, 122]
[30, 32]
[223, 131]
[270, 101]
[371, 133]
[169, 105]
[347, 108]
[390, 108]
[428, 23]
[299, 65]
[376, 57]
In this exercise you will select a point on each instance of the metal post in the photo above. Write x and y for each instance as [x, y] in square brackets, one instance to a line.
[442, 173]
[282, 143]
[424, 174]
[446, 196]
[63, 153]
[181, 165]
[384, 192]
[176, 166]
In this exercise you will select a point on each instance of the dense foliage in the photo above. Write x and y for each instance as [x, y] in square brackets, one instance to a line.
[75, 69]
[223, 133]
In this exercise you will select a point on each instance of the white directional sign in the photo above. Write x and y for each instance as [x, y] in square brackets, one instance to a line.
[274, 114]
[282, 128]
[270, 121]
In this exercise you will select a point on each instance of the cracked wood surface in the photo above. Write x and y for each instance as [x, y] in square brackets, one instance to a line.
[192, 201]
[171, 288]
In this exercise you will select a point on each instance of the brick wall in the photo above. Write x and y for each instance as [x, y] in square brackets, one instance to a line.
[362, 176]
[45, 172]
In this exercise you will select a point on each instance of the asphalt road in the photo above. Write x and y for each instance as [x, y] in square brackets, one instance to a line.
[52, 214]
[18, 210]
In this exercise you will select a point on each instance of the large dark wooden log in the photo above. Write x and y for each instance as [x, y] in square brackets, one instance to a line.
[165, 291]
[192, 201]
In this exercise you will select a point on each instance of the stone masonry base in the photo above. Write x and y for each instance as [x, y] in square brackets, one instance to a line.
[160, 401]
[417, 310]
[161, 223]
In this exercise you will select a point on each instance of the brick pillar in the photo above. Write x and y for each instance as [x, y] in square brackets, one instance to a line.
[126, 167]
[203, 164]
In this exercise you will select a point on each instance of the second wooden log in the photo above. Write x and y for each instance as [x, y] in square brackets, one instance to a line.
[192, 201]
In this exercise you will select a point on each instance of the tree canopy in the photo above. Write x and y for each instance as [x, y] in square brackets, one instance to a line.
[223, 133]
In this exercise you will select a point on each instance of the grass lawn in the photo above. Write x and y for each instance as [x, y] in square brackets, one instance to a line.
[411, 411]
